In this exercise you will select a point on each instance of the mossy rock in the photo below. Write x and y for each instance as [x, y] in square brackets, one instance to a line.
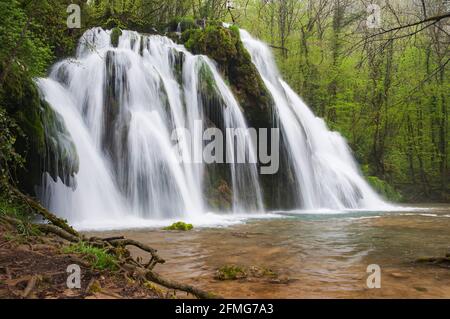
[115, 35]
[231, 272]
[179, 226]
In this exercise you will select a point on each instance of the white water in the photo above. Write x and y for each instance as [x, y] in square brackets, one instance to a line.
[324, 169]
[128, 162]
[121, 105]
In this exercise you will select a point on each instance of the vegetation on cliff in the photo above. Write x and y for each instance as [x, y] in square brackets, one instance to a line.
[224, 46]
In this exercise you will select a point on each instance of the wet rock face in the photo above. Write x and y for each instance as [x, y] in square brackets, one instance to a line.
[45, 144]
[61, 158]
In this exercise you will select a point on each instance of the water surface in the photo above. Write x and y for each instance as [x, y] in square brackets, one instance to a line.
[313, 255]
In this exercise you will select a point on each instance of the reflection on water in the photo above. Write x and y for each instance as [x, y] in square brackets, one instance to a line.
[314, 255]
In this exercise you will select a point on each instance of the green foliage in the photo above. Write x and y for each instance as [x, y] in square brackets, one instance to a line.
[185, 23]
[98, 257]
[179, 226]
[33, 34]
[384, 189]
[9, 158]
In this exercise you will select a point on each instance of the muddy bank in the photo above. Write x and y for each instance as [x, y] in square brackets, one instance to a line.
[36, 267]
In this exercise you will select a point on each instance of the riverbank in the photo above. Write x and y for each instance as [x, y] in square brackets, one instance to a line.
[52, 260]
[35, 266]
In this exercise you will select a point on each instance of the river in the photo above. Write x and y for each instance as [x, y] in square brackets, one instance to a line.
[314, 255]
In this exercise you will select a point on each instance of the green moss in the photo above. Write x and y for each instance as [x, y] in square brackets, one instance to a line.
[384, 189]
[115, 35]
[231, 272]
[98, 257]
[179, 226]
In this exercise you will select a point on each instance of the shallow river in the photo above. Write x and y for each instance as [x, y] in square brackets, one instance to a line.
[312, 255]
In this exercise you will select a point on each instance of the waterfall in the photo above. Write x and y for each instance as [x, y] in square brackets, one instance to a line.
[122, 104]
[326, 175]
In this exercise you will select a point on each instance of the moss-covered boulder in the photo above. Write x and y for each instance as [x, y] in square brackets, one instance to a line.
[115, 35]
[179, 226]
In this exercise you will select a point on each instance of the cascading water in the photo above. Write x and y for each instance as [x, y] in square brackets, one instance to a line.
[121, 106]
[325, 172]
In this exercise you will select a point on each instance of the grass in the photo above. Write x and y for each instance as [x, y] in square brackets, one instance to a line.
[98, 257]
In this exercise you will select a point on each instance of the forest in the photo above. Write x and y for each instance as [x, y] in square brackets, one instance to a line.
[382, 83]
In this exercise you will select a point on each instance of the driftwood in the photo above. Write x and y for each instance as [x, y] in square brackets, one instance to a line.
[144, 271]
